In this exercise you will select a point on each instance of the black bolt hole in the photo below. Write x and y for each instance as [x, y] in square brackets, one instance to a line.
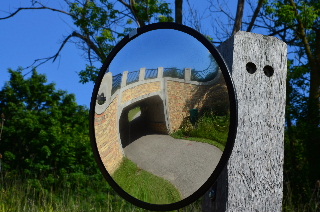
[268, 71]
[251, 67]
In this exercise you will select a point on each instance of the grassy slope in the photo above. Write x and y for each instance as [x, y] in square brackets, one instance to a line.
[144, 185]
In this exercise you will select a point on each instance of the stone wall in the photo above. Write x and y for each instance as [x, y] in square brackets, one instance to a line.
[185, 96]
[140, 90]
[107, 137]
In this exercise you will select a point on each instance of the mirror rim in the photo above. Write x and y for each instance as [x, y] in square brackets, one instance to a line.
[232, 127]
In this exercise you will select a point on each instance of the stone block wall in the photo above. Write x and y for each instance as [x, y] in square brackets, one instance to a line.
[184, 96]
[140, 90]
[107, 137]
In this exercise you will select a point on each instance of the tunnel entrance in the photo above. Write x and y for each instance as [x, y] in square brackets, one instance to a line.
[150, 119]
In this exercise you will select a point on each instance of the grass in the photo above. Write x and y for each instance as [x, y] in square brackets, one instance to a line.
[179, 135]
[133, 112]
[144, 185]
[22, 196]
[209, 128]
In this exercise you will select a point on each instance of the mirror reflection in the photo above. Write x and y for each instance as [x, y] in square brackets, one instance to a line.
[162, 116]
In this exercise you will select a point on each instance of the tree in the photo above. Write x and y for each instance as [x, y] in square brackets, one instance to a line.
[297, 23]
[46, 132]
[100, 24]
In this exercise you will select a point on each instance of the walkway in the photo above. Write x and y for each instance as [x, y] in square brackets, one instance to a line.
[186, 164]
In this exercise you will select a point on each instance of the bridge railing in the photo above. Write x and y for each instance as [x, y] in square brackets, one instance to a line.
[204, 75]
[151, 73]
[188, 74]
[132, 77]
[174, 73]
[116, 83]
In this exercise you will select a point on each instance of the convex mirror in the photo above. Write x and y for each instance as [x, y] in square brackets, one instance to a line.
[163, 116]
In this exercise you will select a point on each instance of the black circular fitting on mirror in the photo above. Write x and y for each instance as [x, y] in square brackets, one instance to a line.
[268, 71]
[232, 127]
[251, 67]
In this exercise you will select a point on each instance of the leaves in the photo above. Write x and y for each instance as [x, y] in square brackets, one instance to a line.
[46, 131]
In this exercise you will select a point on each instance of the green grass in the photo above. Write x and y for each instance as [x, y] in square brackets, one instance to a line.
[133, 112]
[209, 129]
[179, 135]
[144, 185]
[23, 196]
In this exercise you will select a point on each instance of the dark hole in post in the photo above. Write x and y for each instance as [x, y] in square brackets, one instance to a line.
[251, 67]
[268, 71]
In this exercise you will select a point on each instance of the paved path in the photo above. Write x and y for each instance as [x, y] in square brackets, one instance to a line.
[186, 164]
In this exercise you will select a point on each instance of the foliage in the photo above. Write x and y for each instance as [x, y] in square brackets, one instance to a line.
[46, 134]
[297, 23]
[208, 126]
[103, 23]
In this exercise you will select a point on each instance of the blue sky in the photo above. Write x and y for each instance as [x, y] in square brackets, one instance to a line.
[36, 34]
[161, 48]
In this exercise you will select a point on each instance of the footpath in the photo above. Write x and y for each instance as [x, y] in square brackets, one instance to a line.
[186, 164]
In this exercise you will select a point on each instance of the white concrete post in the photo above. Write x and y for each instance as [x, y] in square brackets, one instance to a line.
[253, 178]
[187, 74]
[160, 72]
[124, 79]
[142, 74]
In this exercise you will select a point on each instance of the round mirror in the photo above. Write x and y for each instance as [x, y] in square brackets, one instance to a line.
[163, 116]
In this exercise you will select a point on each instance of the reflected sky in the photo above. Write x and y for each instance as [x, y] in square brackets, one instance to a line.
[162, 48]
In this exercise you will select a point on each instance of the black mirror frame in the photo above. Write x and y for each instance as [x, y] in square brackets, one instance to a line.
[232, 127]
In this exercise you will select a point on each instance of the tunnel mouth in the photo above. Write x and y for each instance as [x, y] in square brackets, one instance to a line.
[149, 120]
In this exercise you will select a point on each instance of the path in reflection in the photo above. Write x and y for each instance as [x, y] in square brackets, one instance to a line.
[186, 164]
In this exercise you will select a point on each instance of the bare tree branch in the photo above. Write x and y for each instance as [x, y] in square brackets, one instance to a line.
[255, 15]
[34, 8]
[130, 6]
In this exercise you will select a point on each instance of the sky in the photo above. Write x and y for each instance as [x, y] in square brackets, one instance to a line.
[31, 35]
[161, 48]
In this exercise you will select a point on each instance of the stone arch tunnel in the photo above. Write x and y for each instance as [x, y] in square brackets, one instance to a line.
[150, 121]
[164, 101]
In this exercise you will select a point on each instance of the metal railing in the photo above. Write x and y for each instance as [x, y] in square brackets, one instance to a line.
[133, 77]
[173, 72]
[116, 83]
[203, 76]
[200, 76]
[151, 73]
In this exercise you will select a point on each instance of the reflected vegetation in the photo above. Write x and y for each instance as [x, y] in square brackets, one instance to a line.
[148, 104]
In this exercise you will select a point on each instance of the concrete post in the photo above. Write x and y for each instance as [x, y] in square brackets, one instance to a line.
[105, 89]
[142, 74]
[187, 74]
[252, 179]
[160, 72]
[124, 79]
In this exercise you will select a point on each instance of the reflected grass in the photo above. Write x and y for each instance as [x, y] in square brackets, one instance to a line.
[209, 128]
[144, 185]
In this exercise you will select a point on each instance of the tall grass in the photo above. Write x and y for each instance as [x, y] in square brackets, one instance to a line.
[18, 195]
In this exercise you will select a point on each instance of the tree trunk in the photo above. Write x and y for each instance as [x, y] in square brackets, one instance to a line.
[313, 143]
[238, 21]
[178, 8]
